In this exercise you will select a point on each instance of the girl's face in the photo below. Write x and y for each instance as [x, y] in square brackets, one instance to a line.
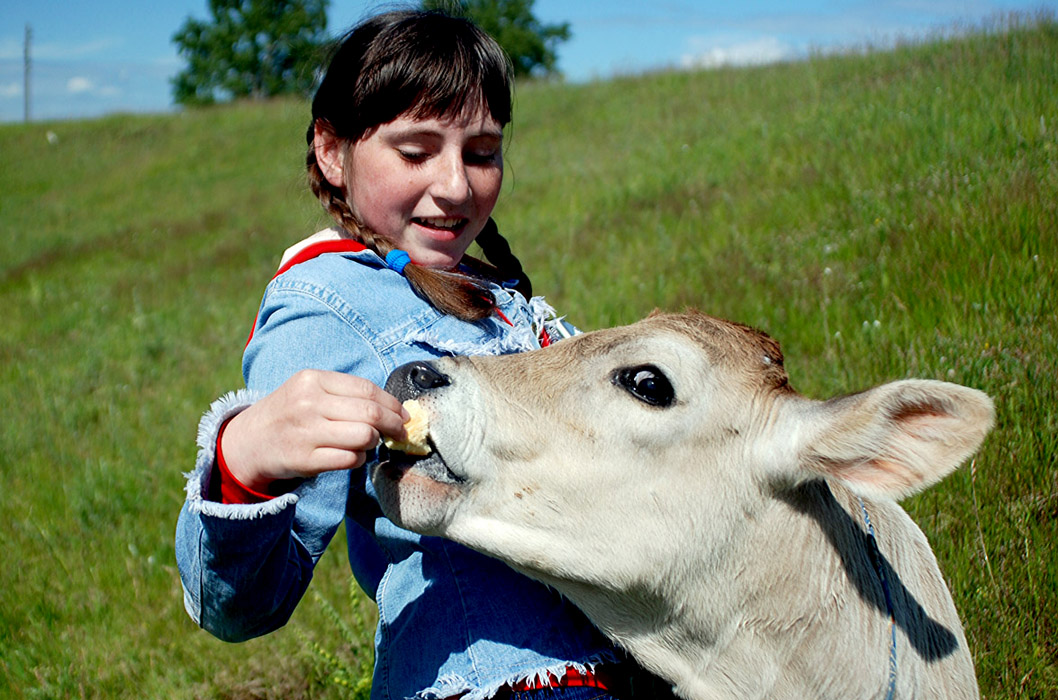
[428, 186]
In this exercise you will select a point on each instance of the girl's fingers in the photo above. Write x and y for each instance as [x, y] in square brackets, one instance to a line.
[348, 386]
[348, 435]
[315, 421]
[328, 459]
[346, 413]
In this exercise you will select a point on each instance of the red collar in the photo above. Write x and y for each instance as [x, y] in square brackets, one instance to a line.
[342, 245]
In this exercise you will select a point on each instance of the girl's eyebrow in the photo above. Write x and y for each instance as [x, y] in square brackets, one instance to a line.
[414, 132]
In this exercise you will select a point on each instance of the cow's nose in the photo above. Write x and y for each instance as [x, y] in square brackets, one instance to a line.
[415, 379]
[425, 377]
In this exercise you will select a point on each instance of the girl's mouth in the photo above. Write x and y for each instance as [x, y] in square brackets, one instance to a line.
[446, 224]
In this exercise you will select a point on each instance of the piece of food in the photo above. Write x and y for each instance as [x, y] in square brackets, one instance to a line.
[418, 429]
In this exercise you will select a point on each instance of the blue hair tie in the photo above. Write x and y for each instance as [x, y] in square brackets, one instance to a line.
[397, 260]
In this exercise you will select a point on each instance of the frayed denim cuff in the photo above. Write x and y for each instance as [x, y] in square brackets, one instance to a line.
[198, 480]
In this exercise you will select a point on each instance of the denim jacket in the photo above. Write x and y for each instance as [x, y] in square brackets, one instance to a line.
[451, 621]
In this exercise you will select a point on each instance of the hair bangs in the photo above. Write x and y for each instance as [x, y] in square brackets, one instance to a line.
[436, 72]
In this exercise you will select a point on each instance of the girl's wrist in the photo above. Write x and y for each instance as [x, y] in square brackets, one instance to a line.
[235, 463]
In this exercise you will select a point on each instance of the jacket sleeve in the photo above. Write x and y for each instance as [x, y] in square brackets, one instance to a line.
[245, 567]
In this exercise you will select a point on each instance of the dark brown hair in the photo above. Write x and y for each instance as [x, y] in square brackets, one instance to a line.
[424, 65]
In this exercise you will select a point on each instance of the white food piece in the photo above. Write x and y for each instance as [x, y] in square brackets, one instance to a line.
[418, 429]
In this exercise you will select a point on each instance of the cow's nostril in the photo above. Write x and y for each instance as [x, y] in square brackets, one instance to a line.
[425, 377]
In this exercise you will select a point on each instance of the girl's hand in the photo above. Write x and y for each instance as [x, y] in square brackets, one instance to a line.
[316, 421]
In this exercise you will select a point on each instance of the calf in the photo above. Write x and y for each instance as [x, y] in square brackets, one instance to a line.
[739, 539]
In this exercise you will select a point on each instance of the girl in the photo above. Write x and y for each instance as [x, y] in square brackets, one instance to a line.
[405, 152]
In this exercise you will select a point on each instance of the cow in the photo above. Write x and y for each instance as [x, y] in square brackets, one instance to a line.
[738, 539]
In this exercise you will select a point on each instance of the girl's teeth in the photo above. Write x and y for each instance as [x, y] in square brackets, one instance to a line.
[441, 223]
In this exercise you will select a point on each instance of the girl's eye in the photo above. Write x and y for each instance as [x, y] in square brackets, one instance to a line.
[480, 158]
[413, 156]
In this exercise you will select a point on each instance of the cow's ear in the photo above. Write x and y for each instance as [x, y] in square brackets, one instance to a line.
[896, 439]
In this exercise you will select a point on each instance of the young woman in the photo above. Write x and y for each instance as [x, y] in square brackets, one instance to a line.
[405, 152]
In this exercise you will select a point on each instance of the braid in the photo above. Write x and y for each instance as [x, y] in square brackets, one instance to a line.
[332, 198]
[452, 293]
[448, 292]
[498, 252]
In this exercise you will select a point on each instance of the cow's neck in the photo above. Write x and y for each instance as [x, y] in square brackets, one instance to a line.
[759, 627]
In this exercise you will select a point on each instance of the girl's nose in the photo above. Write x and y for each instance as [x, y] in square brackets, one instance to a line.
[452, 183]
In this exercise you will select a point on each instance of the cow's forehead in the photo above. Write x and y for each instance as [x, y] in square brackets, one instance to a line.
[733, 346]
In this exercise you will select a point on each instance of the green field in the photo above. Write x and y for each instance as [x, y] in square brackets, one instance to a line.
[884, 214]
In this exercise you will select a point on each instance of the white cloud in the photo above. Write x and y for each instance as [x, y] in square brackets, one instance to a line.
[742, 53]
[79, 84]
[10, 90]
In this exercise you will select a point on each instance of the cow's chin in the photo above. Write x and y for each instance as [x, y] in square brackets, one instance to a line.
[416, 492]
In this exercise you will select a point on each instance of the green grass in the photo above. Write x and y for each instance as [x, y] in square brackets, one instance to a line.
[884, 215]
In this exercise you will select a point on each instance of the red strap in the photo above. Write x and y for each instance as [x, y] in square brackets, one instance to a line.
[342, 245]
[545, 337]
[572, 678]
[503, 317]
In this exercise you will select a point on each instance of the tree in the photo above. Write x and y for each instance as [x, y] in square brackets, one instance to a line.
[252, 49]
[530, 44]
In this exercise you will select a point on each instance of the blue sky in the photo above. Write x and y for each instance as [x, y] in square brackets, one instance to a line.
[94, 57]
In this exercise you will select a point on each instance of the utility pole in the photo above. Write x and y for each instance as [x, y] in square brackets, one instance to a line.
[25, 92]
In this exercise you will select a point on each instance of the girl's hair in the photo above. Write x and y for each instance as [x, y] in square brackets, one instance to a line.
[425, 65]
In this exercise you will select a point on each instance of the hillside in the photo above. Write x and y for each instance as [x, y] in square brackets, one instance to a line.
[883, 215]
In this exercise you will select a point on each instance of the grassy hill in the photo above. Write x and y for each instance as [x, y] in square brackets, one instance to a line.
[884, 215]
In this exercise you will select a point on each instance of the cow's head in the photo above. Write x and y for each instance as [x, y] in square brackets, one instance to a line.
[607, 456]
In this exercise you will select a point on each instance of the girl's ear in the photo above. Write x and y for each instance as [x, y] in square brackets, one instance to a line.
[330, 153]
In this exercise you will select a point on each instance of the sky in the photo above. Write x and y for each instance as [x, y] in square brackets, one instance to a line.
[95, 57]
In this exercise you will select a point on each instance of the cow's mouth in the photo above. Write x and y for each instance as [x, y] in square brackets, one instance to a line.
[394, 464]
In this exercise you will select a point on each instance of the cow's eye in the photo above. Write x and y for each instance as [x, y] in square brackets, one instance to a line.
[647, 383]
